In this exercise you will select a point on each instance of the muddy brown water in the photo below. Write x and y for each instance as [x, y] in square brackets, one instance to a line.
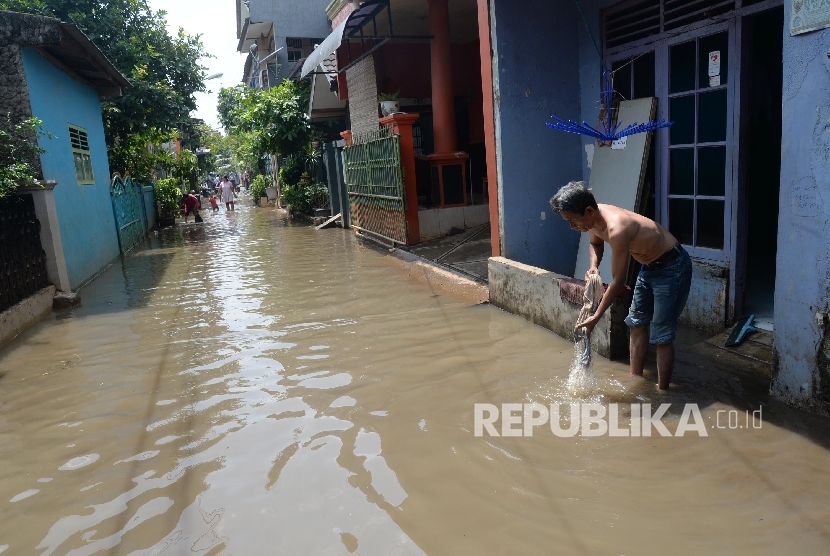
[249, 386]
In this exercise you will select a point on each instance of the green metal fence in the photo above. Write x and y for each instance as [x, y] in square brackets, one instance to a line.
[128, 208]
[374, 179]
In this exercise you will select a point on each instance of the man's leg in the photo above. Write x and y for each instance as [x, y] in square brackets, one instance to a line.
[638, 348]
[665, 365]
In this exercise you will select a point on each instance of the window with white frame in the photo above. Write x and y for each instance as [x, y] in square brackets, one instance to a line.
[81, 155]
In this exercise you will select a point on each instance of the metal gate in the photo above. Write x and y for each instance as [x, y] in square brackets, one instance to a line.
[374, 179]
[22, 259]
[128, 208]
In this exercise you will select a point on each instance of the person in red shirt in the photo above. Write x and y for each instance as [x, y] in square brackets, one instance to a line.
[190, 203]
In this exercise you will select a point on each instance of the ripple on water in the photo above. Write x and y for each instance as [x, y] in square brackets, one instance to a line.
[25, 494]
[344, 401]
[327, 382]
[139, 457]
[77, 463]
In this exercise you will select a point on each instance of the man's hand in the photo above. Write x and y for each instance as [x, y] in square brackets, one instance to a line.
[592, 270]
[588, 323]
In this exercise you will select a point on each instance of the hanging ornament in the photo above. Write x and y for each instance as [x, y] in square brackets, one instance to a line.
[610, 131]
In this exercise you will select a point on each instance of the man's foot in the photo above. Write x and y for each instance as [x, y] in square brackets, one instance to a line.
[662, 392]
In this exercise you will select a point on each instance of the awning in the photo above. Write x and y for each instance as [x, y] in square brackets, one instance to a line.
[328, 47]
[353, 24]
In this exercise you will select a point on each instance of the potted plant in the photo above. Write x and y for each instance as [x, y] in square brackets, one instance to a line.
[389, 103]
[168, 197]
[258, 190]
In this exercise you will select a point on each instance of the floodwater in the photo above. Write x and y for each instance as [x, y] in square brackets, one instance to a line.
[248, 386]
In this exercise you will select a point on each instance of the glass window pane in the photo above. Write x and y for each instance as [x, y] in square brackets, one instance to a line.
[711, 171]
[710, 224]
[682, 67]
[644, 76]
[682, 113]
[621, 79]
[79, 167]
[712, 117]
[681, 219]
[717, 47]
[682, 171]
[87, 168]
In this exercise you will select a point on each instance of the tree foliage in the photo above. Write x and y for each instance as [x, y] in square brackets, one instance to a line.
[274, 119]
[163, 71]
[18, 149]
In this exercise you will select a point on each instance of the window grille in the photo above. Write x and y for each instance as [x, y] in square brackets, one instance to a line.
[81, 155]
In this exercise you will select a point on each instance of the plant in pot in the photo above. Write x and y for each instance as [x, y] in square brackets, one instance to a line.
[258, 187]
[168, 196]
[389, 103]
[318, 196]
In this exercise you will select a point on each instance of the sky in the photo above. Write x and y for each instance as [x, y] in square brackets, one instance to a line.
[215, 20]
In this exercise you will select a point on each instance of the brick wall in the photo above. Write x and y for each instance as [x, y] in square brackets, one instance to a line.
[363, 95]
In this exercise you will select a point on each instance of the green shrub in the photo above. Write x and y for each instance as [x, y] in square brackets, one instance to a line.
[305, 196]
[18, 150]
[318, 195]
[258, 187]
[291, 170]
[168, 196]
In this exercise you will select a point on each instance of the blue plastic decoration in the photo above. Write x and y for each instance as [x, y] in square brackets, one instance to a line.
[611, 131]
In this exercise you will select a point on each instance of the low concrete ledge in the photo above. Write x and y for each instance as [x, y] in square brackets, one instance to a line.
[18, 318]
[534, 294]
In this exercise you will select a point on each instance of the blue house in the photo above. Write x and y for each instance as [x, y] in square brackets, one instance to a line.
[53, 72]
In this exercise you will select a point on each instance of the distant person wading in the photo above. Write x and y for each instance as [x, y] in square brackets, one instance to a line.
[226, 192]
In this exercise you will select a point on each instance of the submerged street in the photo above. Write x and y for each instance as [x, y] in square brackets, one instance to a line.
[253, 386]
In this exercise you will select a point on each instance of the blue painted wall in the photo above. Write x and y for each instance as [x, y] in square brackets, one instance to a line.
[85, 215]
[802, 268]
[535, 72]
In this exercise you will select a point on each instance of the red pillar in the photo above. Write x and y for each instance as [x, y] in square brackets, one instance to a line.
[440, 50]
[489, 122]
[402, 125]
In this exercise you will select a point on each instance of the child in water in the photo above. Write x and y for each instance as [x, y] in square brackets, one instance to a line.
[214, 203]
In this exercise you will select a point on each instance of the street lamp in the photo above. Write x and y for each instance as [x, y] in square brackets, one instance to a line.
[214, 76]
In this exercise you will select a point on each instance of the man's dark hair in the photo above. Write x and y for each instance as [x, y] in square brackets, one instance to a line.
[573, 197]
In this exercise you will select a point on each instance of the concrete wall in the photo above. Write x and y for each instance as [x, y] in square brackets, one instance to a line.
[438, 222]
[150, 206]
[292, 18]
[84, 212]
[801, 347]
[533, 293]
[21, 316]
[535, 74]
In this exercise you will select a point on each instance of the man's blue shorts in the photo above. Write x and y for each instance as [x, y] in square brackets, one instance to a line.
[659, 298]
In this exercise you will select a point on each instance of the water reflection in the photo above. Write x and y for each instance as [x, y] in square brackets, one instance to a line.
[253, 387]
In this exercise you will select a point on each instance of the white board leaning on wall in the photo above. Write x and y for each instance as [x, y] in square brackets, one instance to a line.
[617, 174]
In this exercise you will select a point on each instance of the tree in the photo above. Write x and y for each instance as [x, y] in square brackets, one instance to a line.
[274, 117]
[18, 149]
[163, 71]
[266, 121]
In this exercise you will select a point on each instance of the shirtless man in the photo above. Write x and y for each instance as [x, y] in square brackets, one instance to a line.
[662, 285]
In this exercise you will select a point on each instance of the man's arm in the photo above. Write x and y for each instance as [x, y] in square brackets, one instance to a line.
[619, 266]
[597, 248]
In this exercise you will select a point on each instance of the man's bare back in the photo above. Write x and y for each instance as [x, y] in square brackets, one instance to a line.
[646, 239]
